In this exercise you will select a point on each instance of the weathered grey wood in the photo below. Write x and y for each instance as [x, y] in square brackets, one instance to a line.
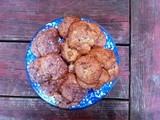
[36, 109]
[145, 60]
[13, 79]
[21, 19]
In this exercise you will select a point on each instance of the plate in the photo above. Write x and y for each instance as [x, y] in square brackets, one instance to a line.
[93, 96]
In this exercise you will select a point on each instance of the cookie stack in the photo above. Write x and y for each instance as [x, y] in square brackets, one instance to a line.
[68, 70]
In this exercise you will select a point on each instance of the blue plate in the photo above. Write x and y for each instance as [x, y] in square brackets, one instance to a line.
[93, 96]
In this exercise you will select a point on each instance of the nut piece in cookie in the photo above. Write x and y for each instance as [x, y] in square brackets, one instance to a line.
[64, 26]
[68, 53]
[88, 69]
[106, 57]
[48, 67]
[46, 42]
[113, 71]
[71, 90]
[82, 36]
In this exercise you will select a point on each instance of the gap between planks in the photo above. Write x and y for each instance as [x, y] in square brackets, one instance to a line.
[37, 97]
[24, 41]
[130, 32]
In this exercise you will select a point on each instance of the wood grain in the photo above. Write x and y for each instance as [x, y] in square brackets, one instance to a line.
[21, 19]
[145, 55]
[35, 109]
[13, 80]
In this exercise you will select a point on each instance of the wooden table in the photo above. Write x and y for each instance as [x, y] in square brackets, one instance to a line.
[135, 27]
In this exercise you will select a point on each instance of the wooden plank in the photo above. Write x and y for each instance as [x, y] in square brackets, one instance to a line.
[145, 77]
[13, 80]
[21, 19]
[35, 109]
[118, 30]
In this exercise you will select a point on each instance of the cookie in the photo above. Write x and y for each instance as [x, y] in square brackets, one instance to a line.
[88, 69]
[46, 42]
[106, 57]
[82, 36]
[64, 26]
[71, 90]
[49, 67]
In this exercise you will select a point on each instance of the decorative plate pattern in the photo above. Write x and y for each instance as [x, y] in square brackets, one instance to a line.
[92, 96]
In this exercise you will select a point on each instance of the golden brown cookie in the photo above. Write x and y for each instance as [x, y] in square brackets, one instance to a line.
[64, 26]
[68, 53]
[46, 42]
[82, 36]
[88, 69]
[71, 90]
[48, 67]
[106, 57]
[113, 71]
